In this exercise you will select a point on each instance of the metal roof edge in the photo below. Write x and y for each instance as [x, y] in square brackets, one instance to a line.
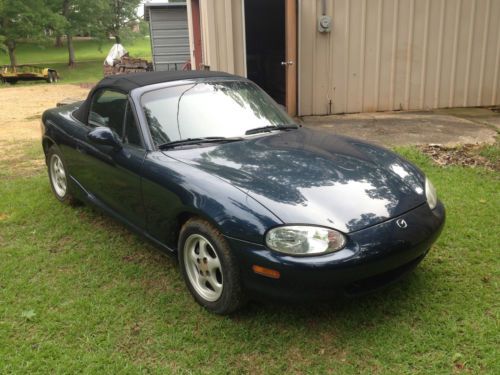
[164, 5]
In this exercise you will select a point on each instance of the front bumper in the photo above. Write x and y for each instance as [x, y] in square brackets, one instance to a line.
[371, 258]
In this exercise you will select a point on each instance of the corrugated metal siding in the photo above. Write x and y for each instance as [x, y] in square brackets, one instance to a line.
[399, 54]
[169, 37]
[223, 35]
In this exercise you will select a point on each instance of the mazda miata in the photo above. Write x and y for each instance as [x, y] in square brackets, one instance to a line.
[210, 169]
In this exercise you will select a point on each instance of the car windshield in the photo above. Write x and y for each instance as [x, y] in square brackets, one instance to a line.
[211, 109]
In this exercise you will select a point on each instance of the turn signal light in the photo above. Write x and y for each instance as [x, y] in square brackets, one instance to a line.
[273, 274]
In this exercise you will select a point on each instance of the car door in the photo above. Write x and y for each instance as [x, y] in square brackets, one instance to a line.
[113, 176]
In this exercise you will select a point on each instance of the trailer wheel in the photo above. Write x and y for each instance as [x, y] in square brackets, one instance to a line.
[50, 77]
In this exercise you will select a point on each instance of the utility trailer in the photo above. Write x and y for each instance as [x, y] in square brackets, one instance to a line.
[12, 74]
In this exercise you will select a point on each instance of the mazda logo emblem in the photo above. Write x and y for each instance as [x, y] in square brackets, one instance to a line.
[402, 223]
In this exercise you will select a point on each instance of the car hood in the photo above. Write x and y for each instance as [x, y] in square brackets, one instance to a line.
[312, 177]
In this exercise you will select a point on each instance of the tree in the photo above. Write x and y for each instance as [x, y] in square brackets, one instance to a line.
[23, 19]
[59, 42]
[118, 15]
[3, 47]
[79, 17]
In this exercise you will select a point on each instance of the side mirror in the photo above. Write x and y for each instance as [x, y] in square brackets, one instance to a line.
[105, 137]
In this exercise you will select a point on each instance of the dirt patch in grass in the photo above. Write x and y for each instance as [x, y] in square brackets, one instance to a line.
[468, 155]
[20, 159]
[22, 108]
[87, 85]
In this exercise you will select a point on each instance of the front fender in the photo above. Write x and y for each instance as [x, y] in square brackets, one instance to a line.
[172, 188]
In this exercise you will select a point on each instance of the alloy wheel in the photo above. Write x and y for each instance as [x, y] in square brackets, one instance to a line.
[58, 175]
[203, 267]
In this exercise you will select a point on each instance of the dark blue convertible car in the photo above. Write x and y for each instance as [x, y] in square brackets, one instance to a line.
[209, 168]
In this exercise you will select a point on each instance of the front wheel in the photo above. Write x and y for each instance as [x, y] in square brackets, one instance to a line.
[209, 268]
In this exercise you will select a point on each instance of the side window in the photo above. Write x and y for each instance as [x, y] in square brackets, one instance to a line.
[108, 109]
[131, 135]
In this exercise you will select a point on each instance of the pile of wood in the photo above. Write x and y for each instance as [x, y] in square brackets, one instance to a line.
[128, 65]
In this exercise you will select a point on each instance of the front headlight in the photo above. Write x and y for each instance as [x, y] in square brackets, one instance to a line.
[304, 240]
[431, 194]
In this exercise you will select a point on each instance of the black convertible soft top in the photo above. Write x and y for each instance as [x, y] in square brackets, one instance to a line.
[127, 82]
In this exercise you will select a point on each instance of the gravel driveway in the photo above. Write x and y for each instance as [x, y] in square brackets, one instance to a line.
[22, 106]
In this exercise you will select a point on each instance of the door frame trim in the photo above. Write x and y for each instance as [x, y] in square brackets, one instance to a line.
[298, 4]
[196, 30]
[244, 34]
[291, 54]
[299, 44]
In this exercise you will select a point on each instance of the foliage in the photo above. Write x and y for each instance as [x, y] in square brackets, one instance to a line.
[21, 19]
[118, 16]
[24, 19]
[79, 15]
[3, 47]
[143, 28]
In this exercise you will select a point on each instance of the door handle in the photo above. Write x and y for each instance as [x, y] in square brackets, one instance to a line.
[285, 63]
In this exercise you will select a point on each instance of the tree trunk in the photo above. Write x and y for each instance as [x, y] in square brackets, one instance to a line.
[71, 50]
[69, 37]
[11, 46]
[59, 42]
[117, 39]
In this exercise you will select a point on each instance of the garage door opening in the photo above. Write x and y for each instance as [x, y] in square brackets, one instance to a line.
[266, 46]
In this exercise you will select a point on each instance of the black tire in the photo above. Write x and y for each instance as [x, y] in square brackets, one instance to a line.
[232, 296]
[50, 78]
[66, 196]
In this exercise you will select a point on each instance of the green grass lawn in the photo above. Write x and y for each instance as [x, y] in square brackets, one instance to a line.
[90, 55]
[79, 293]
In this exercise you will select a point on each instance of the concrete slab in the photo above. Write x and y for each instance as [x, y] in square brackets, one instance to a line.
[486, 116]
[446, 127]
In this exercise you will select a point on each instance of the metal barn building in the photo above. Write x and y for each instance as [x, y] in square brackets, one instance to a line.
[168, 28]
[343, 56]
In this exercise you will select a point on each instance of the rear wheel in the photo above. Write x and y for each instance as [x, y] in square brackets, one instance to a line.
[209, 268]
[58, 176]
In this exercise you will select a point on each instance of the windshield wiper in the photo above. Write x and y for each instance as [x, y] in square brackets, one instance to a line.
[270, 128]
[196, 141]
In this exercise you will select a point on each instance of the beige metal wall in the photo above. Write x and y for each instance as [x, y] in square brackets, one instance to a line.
[222, 31]
[399, 54]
